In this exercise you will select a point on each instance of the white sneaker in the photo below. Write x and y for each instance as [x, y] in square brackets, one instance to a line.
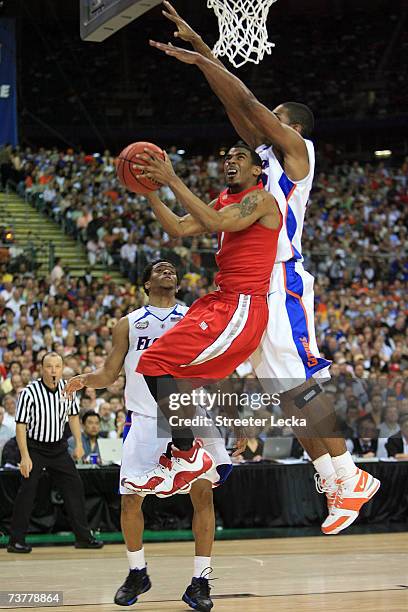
[352, 493]
[187, 467]
[146, 483]
[329, 487]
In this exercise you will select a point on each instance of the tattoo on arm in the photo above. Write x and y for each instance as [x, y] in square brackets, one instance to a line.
[247, 205]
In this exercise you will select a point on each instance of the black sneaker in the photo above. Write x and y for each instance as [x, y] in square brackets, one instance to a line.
[17, 547]
[197, 595]
[91, 543]
[136, 583]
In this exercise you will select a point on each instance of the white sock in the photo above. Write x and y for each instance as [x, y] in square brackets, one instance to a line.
[325, 468]
[200, 564]
[344, 465]
[136, 559]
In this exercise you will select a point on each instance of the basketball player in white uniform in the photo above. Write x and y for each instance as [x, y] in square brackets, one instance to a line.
[142, 445]
[288, 356]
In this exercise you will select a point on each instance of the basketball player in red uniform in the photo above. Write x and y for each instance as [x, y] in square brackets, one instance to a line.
[223, 328]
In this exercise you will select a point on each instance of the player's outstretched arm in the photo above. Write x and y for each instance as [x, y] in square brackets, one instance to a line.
[241, 102]
[174, 225]
[105, 376]
[254, 122]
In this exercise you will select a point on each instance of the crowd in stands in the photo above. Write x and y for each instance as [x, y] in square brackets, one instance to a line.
[368, 79]
[354, 241]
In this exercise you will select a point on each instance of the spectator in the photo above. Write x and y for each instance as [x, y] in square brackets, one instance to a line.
[6, 165]
[90, 434]
[349, 427]
[366, 442]
[397, 444]
[389, 425]
[16, 301]
[5, 432]
[9, 404]
[11, 457]
[120, 420]
[57, 273]
[254, 449]
[376, 408]
[107, 423]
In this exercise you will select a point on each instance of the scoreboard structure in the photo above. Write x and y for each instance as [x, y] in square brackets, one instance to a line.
[102, 18]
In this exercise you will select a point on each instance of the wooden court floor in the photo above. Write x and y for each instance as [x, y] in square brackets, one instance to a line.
[364, 573]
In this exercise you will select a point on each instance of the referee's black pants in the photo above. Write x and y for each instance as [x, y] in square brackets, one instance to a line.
[55, 457]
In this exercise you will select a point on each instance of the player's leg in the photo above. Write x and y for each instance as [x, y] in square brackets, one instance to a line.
[132, 523]
[203, 521]
[183, 461]
[141, 447]
[354, 486]
[197, 594]
[314, 437]
[280, 360]
[289, 355]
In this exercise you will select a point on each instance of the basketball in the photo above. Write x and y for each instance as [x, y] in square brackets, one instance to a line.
[131, 177]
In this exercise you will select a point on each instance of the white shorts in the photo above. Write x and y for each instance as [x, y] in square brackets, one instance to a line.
[142, 448]
[288, 354]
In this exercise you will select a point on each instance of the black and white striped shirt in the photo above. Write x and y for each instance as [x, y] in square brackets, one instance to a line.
[45, 411]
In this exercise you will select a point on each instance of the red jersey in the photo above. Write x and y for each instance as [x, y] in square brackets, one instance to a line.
[245, 259]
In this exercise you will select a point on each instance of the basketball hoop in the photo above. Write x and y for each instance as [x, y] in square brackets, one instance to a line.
[243, 33]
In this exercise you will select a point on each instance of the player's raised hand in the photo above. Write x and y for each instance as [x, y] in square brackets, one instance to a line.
[183, 55]
[155, 168]
[75, 384]
[184, 31]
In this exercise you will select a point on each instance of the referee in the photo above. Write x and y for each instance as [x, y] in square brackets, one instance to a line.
[41, 416]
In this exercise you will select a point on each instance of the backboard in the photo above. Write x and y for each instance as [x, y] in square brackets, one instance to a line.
[102, 18]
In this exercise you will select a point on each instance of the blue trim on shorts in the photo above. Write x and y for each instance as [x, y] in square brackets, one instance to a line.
[128, 424]
[224, 470]
[298, 322]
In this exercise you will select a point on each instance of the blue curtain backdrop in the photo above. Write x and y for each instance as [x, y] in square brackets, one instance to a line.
[8, 92]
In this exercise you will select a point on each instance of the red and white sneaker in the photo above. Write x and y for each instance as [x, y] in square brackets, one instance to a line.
[187, 467]
[352, 493]
[146, 483]
[329, 487]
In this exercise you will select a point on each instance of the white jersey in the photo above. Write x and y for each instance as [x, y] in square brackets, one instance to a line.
[292, 199]
[146, 325]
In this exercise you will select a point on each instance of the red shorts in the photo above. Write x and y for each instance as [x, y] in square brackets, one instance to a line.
[218, 333]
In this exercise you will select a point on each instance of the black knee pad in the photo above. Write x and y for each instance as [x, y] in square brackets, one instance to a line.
[307, 396]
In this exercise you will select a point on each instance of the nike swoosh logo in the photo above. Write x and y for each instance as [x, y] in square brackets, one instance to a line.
[361, 483]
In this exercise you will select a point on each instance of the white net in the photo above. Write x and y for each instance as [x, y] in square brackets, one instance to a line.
[243, 33]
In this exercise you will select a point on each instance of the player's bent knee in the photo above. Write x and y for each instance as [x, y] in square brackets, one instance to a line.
[301, 396]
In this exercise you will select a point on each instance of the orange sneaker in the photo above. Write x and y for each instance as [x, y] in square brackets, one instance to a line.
[352, 493]
[329, 487]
